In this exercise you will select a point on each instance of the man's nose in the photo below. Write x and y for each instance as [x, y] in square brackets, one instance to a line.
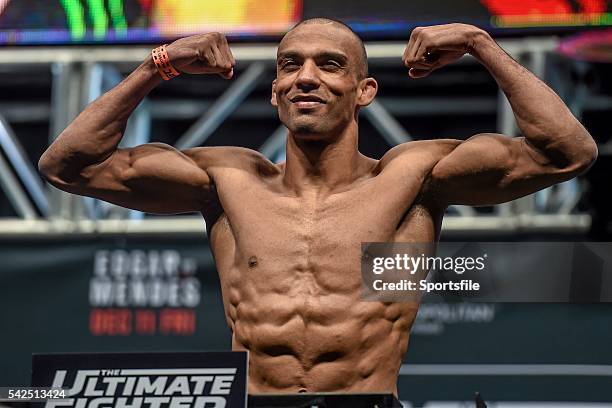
[308, 77]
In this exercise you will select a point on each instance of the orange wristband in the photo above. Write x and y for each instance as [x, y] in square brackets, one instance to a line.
[162, 62]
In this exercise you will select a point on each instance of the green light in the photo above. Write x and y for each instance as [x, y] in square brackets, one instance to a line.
[99, 18]
[74, 15]
[117, 16]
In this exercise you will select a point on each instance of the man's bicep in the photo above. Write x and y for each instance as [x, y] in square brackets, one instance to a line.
[490, 169]
[154, 178]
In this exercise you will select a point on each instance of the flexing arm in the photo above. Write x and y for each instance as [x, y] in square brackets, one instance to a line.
[492, 168]
[154, 177]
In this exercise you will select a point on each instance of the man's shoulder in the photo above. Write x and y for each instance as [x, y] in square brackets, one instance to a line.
[420, 150]
[229, 157]
[418, 158]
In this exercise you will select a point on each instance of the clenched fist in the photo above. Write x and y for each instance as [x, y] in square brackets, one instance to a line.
[202, 54]
[430, 48]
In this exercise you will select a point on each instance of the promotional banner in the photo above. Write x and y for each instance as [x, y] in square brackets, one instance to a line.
[136, 294]
[144, 380]
[106, 294]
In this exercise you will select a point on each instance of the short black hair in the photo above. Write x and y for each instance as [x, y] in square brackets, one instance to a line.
[363, 71]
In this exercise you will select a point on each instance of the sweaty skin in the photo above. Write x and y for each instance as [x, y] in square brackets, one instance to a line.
[286, 237]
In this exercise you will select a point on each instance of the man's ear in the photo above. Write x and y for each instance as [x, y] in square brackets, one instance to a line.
[273, 99]
[366, 91]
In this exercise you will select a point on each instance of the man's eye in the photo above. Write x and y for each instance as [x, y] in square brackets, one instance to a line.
[331, 65]
[288, 65]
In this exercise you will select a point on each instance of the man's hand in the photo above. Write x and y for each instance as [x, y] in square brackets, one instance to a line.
[202, 54]
[430, 48]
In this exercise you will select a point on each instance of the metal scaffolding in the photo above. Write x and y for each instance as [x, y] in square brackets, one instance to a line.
[81, 74]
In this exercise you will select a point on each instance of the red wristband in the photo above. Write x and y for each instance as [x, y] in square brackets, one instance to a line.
[162, 62]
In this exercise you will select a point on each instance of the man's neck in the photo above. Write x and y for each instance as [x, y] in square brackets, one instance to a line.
[322, 165]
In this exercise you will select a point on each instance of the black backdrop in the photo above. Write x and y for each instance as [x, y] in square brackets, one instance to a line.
[46, 306]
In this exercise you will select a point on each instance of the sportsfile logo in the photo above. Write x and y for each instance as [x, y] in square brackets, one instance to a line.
[146, 388]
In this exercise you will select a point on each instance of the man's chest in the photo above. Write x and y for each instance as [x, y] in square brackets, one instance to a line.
[260, 214]
[269, 239]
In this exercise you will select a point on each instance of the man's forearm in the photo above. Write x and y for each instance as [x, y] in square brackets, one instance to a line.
[541, 115]
[95, 134]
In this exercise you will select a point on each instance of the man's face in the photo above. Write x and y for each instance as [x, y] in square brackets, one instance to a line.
[317, 79]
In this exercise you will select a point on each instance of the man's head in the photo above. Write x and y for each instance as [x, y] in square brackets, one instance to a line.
[321, 78]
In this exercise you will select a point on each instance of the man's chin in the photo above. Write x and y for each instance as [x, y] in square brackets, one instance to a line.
[307, 129]
[309, 132]
[311, 127]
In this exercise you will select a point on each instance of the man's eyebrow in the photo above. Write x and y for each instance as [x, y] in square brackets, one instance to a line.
[333, 56]
[286, 55]
[323, 55]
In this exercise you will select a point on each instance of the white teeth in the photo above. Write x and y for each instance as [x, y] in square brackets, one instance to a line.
[306, 104]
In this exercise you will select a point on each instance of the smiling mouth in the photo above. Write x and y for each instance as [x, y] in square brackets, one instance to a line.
[307, 104]
[307, 101]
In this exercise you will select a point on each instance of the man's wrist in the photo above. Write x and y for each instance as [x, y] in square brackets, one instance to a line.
[163, 64]
[150, 69]
[480, 43]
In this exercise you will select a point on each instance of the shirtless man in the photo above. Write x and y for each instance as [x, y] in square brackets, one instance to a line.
[286, 237]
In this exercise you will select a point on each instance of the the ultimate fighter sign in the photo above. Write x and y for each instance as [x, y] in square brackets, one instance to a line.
[144, 380]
